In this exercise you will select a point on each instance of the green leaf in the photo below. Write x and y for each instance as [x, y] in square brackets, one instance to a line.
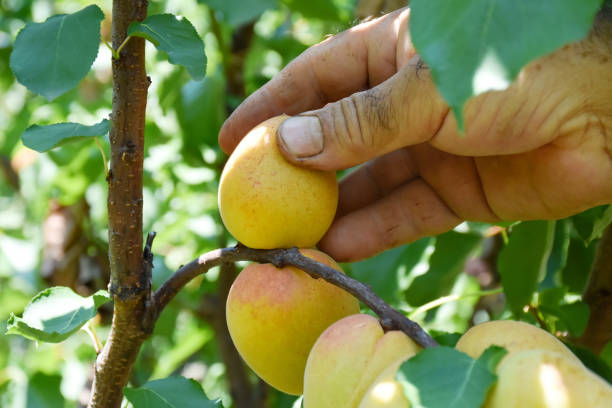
[522, 263]
[43, 138]
[444, 377]
[445, 338]
[201, 112]
[580, 259]
[44, 391]
[591, 223]
[51, 58]
[473, 46]
[558, 255]
[177, 38]
[55, 314]
[171, 392]
[606, 353]
[238, 12]
[383, 272]
[319, 9]
[445, 264]
[574, 316]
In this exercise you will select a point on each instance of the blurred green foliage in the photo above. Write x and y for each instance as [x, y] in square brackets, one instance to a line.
[53, 220]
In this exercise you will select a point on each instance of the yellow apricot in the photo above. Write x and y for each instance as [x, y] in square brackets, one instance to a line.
[275, 315]
[511, 334]
[547, 379]
[266, 202]
[348, 359]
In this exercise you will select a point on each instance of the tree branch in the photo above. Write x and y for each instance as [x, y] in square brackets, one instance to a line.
[598, 295]
[390, 318]
[129, 283]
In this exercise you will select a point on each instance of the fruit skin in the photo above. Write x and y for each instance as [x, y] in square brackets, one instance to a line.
[385, 391]
[347, 360]
[547, 379]
[274, 316]
[267, 202]
[514, 336]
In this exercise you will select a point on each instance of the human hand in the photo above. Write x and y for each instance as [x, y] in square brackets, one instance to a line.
[542, 149]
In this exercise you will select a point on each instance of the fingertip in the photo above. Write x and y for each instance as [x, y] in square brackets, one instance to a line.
[346, 242]
[226, 141]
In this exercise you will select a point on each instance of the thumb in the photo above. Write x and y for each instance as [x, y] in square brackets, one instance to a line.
[404, 110]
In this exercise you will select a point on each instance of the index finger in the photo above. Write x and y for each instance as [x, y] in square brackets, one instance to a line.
[353, 60]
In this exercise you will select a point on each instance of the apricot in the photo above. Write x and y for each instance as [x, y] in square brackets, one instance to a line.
[512, 335]
[353, 359]
[275, 315]
[547, 379]
[266, 202]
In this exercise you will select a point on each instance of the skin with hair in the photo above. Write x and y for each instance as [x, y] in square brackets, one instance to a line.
[541, 149]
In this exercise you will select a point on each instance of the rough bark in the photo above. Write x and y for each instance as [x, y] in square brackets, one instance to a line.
[129, 284]
[598, 295]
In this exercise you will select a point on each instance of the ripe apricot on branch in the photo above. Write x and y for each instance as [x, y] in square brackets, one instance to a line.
[547, 379]
[512, 335]
[353, 359]
[267, 202]
[275, 315]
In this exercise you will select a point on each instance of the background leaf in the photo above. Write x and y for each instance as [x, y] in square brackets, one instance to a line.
[323, 9]
[591, 223]
[445, 264]
[522, 263]
[238, 12]
[201, 112]
[473, 46]
[56, 313]
[171, 392]
[444, 377]
[385, 271]
[177, 38]
[52, 57]
[44, 391]
[43, 138]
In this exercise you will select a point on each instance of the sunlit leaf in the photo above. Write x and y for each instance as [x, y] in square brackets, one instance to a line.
[442, 377]
[175, 36]
[473, 46]
[445, 264]
[522, 262]
[55, 314]
[383, 272]
[558, 255]
[43, 138]
[171, 392]
[50, 58]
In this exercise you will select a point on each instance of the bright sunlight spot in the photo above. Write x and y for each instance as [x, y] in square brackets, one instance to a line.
[553, 389]
[491, 75]
[384, 391]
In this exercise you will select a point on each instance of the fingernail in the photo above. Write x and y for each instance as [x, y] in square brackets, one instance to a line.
[302, 136]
